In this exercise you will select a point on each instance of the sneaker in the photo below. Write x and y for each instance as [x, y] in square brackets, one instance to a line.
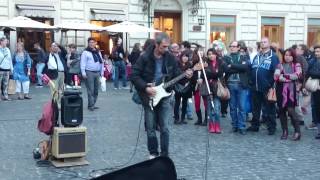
[115, 88]
[312, 126]
[39, 86]
[152, 156]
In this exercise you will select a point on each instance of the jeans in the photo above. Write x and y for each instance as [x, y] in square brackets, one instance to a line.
[189, 109]
[120, 72]
[237, 103]
[214, 114]
[40, 67]
[315, 107]
[260, 102]
[4, 82]
[92, 84]
[162, 113]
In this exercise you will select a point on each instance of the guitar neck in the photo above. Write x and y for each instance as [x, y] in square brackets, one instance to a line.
[174, 81]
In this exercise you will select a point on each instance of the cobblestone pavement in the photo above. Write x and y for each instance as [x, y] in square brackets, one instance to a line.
[112, 134]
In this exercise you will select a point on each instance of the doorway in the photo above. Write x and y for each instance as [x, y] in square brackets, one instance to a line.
[169, 23]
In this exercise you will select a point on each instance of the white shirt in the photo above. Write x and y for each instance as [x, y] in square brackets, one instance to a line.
[52, 62]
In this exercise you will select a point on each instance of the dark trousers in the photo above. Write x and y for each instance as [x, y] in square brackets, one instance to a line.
[224, 106]
[260, 102]
[315, 107]
[293, 116]
[177, 102]
[92, 84]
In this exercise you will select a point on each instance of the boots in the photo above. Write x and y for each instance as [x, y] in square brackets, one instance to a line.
[205, 121]
[199, 121]
[217, 128]
[211, 127]
[284, 134]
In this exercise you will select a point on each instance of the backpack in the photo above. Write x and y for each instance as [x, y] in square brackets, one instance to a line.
[50, 114]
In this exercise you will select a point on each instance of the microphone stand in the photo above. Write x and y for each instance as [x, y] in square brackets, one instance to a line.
[206, 80]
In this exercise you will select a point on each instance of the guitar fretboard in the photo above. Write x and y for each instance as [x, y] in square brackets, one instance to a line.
[174, 81]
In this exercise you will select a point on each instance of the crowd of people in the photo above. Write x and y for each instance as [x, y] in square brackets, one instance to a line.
[266, 81]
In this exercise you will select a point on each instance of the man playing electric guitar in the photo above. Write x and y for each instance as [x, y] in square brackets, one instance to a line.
[151, 67]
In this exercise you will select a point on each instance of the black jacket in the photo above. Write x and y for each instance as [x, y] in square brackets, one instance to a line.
[314, 69]
[241, 68]
[214, 75]
[143, 72]
[53, 74]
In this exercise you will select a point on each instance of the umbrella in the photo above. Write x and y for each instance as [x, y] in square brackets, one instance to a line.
[24, 22]
[129, 27]
[78, 26]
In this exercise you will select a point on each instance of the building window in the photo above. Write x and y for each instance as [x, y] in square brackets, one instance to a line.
[222, 28]
[313, 31]
[273, 28]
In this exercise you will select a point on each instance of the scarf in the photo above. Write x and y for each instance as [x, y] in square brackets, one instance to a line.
[95, 54]
[288, 90]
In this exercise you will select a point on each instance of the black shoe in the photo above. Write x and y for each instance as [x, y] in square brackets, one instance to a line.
[176, 121]
[253, 129]
[317, 136]
[234, 129]
[95, 107]
[242, 131]
[271, 132]
[91, 108]
[223, 115]
[183, 122]
[198, 123]
[301, 123]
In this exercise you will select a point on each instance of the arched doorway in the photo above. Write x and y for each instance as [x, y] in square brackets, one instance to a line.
[168, 18]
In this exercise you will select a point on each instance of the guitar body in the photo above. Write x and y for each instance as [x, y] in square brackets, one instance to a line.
[161, 93]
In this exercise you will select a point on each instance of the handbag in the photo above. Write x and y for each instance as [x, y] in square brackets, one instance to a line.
[312, 85]
[203, 90]
[12, 87]
[103, 84]
[222, 92]
[272, 96]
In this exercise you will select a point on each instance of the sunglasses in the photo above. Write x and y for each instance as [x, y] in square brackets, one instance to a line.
[233, 46]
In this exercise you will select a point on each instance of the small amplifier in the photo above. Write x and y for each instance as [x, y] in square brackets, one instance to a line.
[69, 142]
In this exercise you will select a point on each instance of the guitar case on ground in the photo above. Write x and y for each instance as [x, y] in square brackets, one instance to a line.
[160, 168]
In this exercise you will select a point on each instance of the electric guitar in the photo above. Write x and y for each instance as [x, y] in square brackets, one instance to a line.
[161, 89]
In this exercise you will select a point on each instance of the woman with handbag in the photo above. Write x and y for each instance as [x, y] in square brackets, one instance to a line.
[200, 90]
[21, 71]
[286, 76]
[214, 72]
[183, 90]
[313, 76]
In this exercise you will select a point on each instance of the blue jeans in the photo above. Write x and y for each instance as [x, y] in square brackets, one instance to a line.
[40, 67]
[214, 114]
[120, 73]
[237, 103]
[161, 114]
[189, 109]
[315, 106]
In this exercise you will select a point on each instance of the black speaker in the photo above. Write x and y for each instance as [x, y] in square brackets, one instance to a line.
[160, 168]
[71, 109]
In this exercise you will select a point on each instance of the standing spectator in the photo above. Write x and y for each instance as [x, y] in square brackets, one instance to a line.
[214, 73]
[92, 70]
[314, 73]
[286, 75]
[21, 71]
[73, 63]
[6, 67]
[262, 72]
[56, 68]
[175, 50]
[237, 67]
[150, 68]
[135, 54]
[118, 56]
[183, 91]
[41, 59]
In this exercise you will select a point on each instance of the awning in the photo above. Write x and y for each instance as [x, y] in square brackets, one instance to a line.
[109, 14]
[46, 10]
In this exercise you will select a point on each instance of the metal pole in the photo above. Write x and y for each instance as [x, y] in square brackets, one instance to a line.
[149, 18]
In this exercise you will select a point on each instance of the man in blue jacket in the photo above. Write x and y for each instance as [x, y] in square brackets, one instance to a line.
[262, 70]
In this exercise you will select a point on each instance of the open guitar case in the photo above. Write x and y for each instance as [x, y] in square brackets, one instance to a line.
[160, 168]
